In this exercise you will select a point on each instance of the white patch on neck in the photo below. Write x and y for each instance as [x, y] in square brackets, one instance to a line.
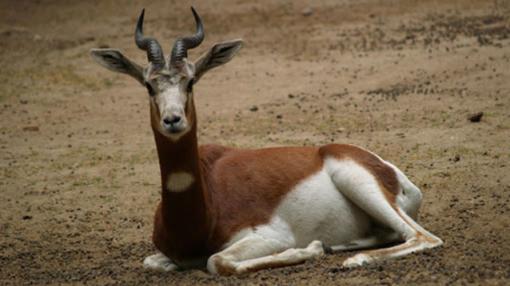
[179, 181]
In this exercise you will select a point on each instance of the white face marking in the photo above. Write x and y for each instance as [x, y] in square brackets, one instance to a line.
[179, 181]
[171, 99]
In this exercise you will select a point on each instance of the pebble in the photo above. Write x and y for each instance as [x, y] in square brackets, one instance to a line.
[476, 117]
[308, 11]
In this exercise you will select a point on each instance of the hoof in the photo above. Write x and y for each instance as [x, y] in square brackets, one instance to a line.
[316, 247]
[159, 262]
[220, 266]
[357, 260]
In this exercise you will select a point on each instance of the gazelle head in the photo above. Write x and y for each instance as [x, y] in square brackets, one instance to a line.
[169, 82]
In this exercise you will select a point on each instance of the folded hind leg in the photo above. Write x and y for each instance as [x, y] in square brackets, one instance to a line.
[375, 240]
[361, 187]
[288, 257]
[420, 240]
[267, 247]
[254, 253]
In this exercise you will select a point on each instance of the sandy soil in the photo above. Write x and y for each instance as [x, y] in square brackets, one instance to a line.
[79, 176]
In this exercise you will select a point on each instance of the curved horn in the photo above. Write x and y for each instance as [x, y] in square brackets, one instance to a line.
[150, 45]
[181, 45]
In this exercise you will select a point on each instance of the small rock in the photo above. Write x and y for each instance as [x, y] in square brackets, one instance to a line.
[279, 116]
[27, 217]
[308, 11]
[23, 101]
[456, 158]
[477, 117]
[254, 108]
[31, 128]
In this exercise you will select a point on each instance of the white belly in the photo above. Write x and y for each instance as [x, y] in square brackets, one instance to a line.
[316, 210]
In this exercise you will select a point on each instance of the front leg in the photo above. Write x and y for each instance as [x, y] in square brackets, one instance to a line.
[255, 252]
[159, 262]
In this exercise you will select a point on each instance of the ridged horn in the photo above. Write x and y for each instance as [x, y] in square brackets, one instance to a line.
[150, 45]
[182, 45]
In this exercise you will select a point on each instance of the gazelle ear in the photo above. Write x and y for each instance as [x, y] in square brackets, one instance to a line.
[219, 54]
[114, 60]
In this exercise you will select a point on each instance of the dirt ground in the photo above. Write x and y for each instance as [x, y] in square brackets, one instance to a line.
[79, 174]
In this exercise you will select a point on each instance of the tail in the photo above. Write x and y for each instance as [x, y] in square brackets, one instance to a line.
[411, 196]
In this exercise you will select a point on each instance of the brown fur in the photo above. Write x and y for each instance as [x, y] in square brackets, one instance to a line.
[234, 188]
[181, 224]
[248, 185]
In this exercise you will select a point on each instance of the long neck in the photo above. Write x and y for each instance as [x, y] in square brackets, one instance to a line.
[184, 212]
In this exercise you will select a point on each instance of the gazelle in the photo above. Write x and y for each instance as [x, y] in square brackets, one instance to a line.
[238, 210]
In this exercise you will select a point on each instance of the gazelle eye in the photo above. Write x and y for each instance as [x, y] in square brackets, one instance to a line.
[149, 89]
[189, 88]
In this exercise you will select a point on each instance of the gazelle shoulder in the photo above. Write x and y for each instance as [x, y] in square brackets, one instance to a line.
[210, 153]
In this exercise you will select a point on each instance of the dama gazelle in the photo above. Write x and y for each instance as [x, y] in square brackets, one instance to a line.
[238, 210]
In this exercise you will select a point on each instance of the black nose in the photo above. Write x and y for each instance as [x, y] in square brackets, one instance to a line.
[171, 120]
